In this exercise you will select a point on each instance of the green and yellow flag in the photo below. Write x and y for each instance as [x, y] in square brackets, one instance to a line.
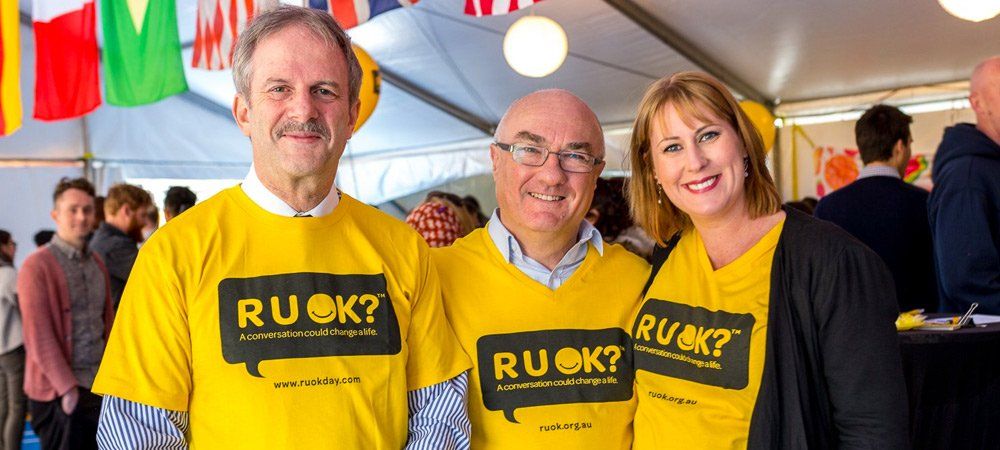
[142, 51]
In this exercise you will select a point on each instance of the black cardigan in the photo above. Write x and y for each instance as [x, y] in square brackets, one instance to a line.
[832, 370]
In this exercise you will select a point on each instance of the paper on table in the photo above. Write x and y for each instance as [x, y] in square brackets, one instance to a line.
[940, 324]
[983, 319]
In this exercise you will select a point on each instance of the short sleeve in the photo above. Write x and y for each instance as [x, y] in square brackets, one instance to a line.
[435, 353]
[148, 357]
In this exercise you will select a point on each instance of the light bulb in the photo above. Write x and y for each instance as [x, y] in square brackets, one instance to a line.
[972, 10]
[535, 46]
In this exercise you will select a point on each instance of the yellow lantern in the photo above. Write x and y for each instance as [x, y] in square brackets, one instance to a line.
[762, 119]
[371, 85]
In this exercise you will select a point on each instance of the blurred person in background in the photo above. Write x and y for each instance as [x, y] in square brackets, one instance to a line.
[610, 215]
[886, 213]
[964, 206]
[471, 205]
[98, 213]
[116, 240]
[178, 200]
[151, 221]
[441, 219]
[12, 401]
[43, 237]
[65, 301]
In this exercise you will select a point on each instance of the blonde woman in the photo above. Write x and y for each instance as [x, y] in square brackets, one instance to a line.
[764, 328]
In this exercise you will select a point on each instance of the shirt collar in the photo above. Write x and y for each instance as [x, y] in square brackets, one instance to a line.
[259, 194]
[66, 249]
[878, 171]
[511, 249]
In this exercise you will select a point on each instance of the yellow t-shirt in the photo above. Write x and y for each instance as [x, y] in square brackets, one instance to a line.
[699, 341]
[551, 368]
[279, 332]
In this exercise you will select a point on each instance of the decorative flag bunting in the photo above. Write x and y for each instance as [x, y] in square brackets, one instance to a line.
[10, 68]
[219, 23]
[142, 51]
[351, 13]
[481, 8]
[66, 80]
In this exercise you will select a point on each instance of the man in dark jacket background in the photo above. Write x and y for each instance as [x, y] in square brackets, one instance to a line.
[964, 206]
[117, 238]
[886, 213]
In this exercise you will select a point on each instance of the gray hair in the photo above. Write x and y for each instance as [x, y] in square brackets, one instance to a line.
[272, 21]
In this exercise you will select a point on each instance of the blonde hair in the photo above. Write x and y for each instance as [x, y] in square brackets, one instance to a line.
[692, 94]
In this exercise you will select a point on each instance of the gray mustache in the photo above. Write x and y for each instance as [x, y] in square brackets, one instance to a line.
[305, 127]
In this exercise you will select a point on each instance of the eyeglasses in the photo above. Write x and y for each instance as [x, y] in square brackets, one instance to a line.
[570, 161]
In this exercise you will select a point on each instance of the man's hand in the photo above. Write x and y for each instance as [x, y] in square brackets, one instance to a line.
[69, 400]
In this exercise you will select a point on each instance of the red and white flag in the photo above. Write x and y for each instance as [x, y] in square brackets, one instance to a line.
[351, 13]
[66, 58]
[218, 24]
[481, 8]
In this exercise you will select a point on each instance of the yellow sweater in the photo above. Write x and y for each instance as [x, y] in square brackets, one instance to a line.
[699, 347]
[550, 368]
[279, 332]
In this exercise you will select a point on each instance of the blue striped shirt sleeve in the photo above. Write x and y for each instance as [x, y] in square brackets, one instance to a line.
[438, 421]
[129, 425]
[438, 416]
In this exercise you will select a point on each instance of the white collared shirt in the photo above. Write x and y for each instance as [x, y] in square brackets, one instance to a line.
[572, 260]
[878, 171]
[259, 194]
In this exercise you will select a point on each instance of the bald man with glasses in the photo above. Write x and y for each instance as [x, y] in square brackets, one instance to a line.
[537, 299]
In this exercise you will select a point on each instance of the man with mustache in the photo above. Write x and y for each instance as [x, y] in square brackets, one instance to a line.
[282, 313]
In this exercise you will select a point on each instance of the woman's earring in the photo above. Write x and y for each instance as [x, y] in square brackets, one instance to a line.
[659, 192]
[746, 166]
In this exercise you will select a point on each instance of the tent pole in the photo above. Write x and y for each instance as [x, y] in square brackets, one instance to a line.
[776, 160]
[88, 158]
[483, 125]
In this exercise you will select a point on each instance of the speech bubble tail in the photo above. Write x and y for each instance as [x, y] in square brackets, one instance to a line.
[254, 369]
[509, 414]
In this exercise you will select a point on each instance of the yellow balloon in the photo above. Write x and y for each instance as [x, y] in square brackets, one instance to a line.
[762, 119]
[371, 85]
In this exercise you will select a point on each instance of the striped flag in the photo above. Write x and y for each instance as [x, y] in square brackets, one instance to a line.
[481, 8]
[142, 51]
[351, 13]
[219, 23]
[10, 68]
[66, 80]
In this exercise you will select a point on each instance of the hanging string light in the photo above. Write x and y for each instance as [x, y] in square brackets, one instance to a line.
[972, 10]
[535, 46]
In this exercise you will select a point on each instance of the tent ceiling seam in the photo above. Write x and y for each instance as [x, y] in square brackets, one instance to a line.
[890, 91]
[432, 38]
[391, 77]
[645, 20]
[206, 104]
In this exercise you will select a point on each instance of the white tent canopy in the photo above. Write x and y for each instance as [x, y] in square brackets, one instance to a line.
[446, 84]
[767, 50]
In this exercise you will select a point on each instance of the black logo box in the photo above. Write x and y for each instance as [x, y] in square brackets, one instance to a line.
[384, 341]
[552, 341]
